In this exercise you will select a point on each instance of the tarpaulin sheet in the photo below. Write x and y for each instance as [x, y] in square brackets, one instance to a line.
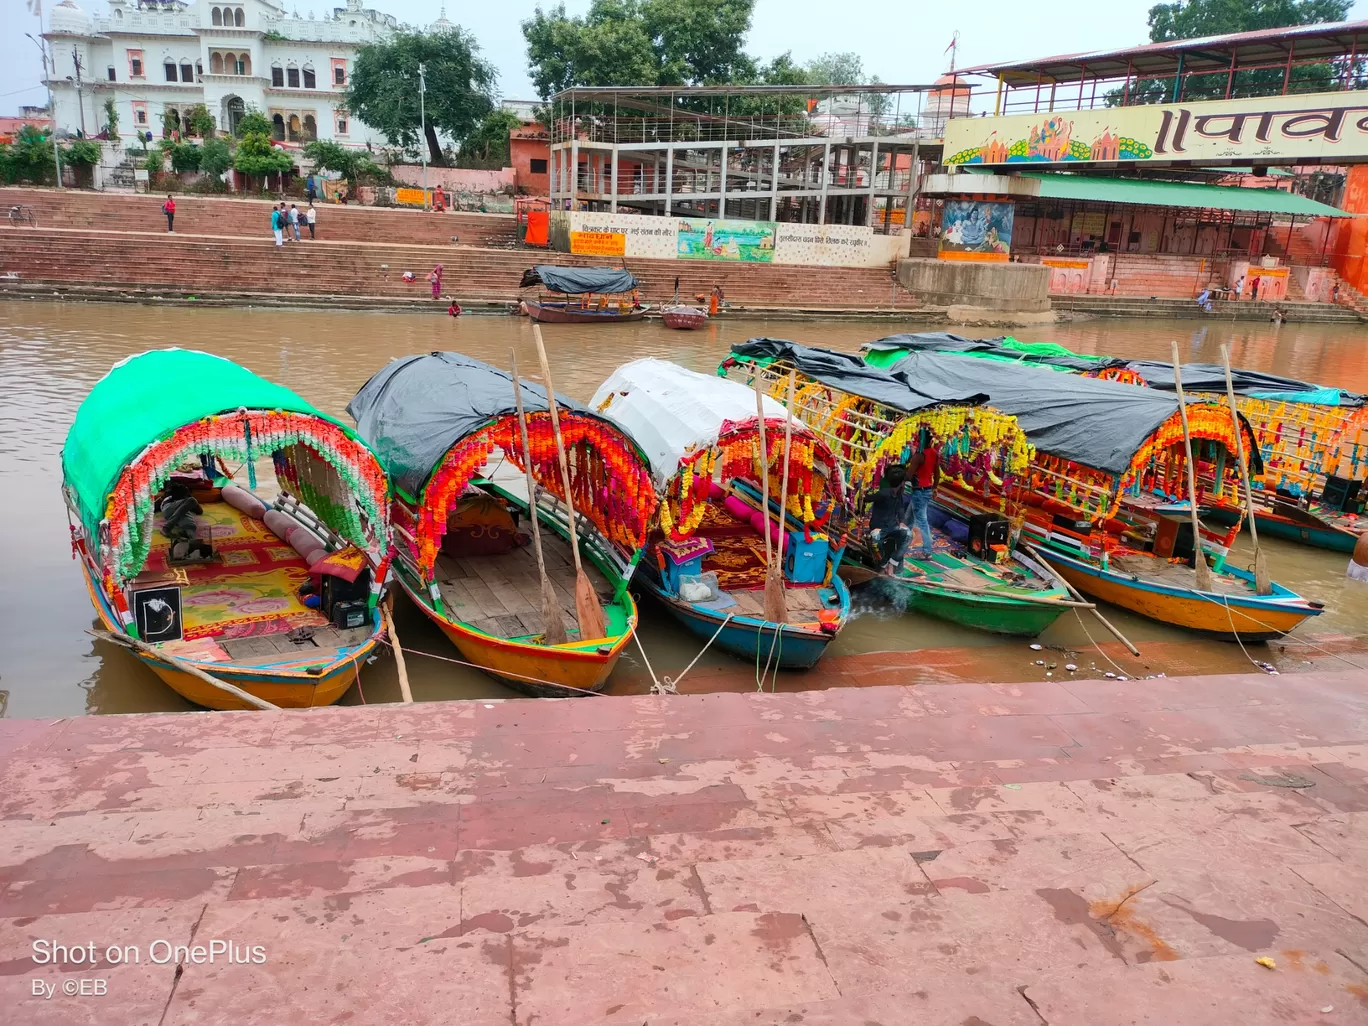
[577, 280]
[671, 412]
[885, 351]
[850, 374]
[1097, 423]
[416, 408]
[1210, 377]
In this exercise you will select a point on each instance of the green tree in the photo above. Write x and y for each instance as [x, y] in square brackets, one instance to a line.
[253, 122]
[28, 158]
[256, 156]
[1193, 19]
[487, 145]
[836, 69]
[81, 153]
[111, 110]
[186, 157]
[329, 156]
[198, 121]
[640, 42]
[155, 162]
[460, 86]
[215, 157]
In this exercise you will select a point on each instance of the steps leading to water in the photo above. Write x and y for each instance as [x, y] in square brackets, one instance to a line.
[1246, 310]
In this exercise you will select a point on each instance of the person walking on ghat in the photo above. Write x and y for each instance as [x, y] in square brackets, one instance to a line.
[310, 215]
[276, 227]
[169, 209]
[294, 221]
[435, 280]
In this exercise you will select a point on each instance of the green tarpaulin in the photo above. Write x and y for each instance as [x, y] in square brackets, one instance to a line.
[144, 399]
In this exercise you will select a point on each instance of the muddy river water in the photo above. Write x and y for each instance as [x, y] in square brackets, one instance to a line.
[52, 353]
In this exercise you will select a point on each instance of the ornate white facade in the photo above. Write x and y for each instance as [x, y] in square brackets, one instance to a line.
[154, 56]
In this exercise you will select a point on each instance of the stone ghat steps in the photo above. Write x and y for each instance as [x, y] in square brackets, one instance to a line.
[252, 218]
[1245, 310]
[244, 265]
[1153, 275]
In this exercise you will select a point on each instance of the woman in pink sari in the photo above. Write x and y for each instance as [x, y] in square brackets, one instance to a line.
[435, 278]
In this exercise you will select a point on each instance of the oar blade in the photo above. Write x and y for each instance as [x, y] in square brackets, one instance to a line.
[588, 609]
[553, 633]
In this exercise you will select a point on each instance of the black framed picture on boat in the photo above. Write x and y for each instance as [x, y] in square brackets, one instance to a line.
[157, 612]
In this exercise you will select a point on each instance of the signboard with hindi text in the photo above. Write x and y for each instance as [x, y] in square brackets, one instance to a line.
[598, 243]
[1329, 127]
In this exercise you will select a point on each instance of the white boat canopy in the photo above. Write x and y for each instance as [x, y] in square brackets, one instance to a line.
[672, 412]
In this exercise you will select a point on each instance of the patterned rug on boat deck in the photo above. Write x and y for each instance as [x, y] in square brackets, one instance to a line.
[239, 542]
[738, 561]
[247, 604]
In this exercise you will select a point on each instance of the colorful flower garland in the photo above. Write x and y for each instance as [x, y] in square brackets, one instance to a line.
[609, 481]
[242, 436]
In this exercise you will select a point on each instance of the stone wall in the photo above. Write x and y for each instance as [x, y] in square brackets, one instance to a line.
[1017, 288]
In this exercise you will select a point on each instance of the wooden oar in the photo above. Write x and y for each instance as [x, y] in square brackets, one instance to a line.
[137, 645]
[1041, 562]
[1263, 584]
[387, 619]
[1199, 557]
[588, 609]
[553, 632]
[776, 605]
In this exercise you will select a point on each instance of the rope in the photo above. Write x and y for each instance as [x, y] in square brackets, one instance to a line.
[760, 675]
[656, 687]
[500, 673]
[356, 669]
[671, 687]
[1283, 634]
[1225, 600]
[1124, 672]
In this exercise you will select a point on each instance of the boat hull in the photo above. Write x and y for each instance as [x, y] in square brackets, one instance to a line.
[984, 613]
[293, 689]
[1250, 618]
[535, 670]
[1271, 525]
[686, 318]
[551, 314]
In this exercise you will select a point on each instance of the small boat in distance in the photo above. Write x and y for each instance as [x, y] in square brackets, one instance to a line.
[438, 421]
[684, 318]
[202, 578]
[706, 557]
[588, 295]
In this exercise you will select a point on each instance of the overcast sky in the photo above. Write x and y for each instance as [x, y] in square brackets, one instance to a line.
[899, 42]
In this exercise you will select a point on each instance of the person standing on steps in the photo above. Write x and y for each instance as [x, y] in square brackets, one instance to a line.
[169, 209]
[294, 221]
[435, 280]
[276, 228]
[922, 472]
[310, 215]
[311, 193]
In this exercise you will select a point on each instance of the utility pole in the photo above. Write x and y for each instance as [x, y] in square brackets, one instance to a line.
[422, 116]
[80, 100]
[52, 107]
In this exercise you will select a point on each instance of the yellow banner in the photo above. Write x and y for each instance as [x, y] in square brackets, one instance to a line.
[598, 243]
[1332, 127]
[409, 197]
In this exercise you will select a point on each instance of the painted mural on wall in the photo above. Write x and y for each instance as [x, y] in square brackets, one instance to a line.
[707, 239]
[973, 230]
[1327, 126]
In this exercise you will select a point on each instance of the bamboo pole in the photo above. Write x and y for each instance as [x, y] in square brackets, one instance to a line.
[764, 463]
[137, 645]
[1044, 564]
[588, 609]
[1262, 583]
[776, 606]
[387, 619]
[553, 632]
[1199, 562]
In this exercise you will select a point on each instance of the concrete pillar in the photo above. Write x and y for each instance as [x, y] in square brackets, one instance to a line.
[873, 177]
[574, 173]
[826, 165]
[774, 186]
[722, 184]
[912, 186]
[613, 183]
[669, 178]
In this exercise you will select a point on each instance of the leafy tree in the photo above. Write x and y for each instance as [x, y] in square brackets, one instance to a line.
[155, 162]
[836, 69]
[81, 153]
[640, 42]
[186, 157]
[330, 156]
[253, 122]
[1192, 19]
[460, 86]
[487, 145]
[198, 121]
[28, 158]
[215, 157]
[256, 156]
[111, 110]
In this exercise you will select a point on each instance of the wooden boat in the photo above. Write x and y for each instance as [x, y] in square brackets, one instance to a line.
[224, 600]
[438, 421]
[1105, 502]
[684, 318]
[589, 295]
[871, 420]
[1313, 439]
[705, 558]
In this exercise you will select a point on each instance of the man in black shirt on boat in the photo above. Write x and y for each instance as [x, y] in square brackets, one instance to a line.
[887, 527]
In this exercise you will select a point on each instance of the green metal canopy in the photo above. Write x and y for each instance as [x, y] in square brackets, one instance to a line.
[144, 399]
[1152, 193]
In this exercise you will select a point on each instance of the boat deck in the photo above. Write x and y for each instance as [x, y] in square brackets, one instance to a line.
[1175, 575]
[951, 566]
[241, 606]
[500, 595]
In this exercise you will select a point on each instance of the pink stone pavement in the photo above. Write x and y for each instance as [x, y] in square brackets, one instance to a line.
[1086, 853]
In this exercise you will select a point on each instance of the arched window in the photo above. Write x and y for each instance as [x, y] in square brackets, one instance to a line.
[277, 76]
[216, 63]
[310, 82]
[294, 127]
[277, 128]
[216, 16]
[310, 128]
[237, 17]
[292, 76]
[245, 63]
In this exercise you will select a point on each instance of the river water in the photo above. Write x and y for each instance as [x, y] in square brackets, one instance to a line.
[52, 353]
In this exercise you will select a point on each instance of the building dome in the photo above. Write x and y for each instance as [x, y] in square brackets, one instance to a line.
[441, 24]
[69, 19]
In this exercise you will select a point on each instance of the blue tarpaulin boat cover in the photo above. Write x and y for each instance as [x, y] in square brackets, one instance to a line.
[578, 280]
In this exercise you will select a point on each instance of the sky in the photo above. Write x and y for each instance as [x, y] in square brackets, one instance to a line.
[901, 43]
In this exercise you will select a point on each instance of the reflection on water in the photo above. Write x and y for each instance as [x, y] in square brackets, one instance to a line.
[51, 354]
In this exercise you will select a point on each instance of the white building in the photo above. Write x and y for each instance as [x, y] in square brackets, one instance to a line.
[156, 56]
